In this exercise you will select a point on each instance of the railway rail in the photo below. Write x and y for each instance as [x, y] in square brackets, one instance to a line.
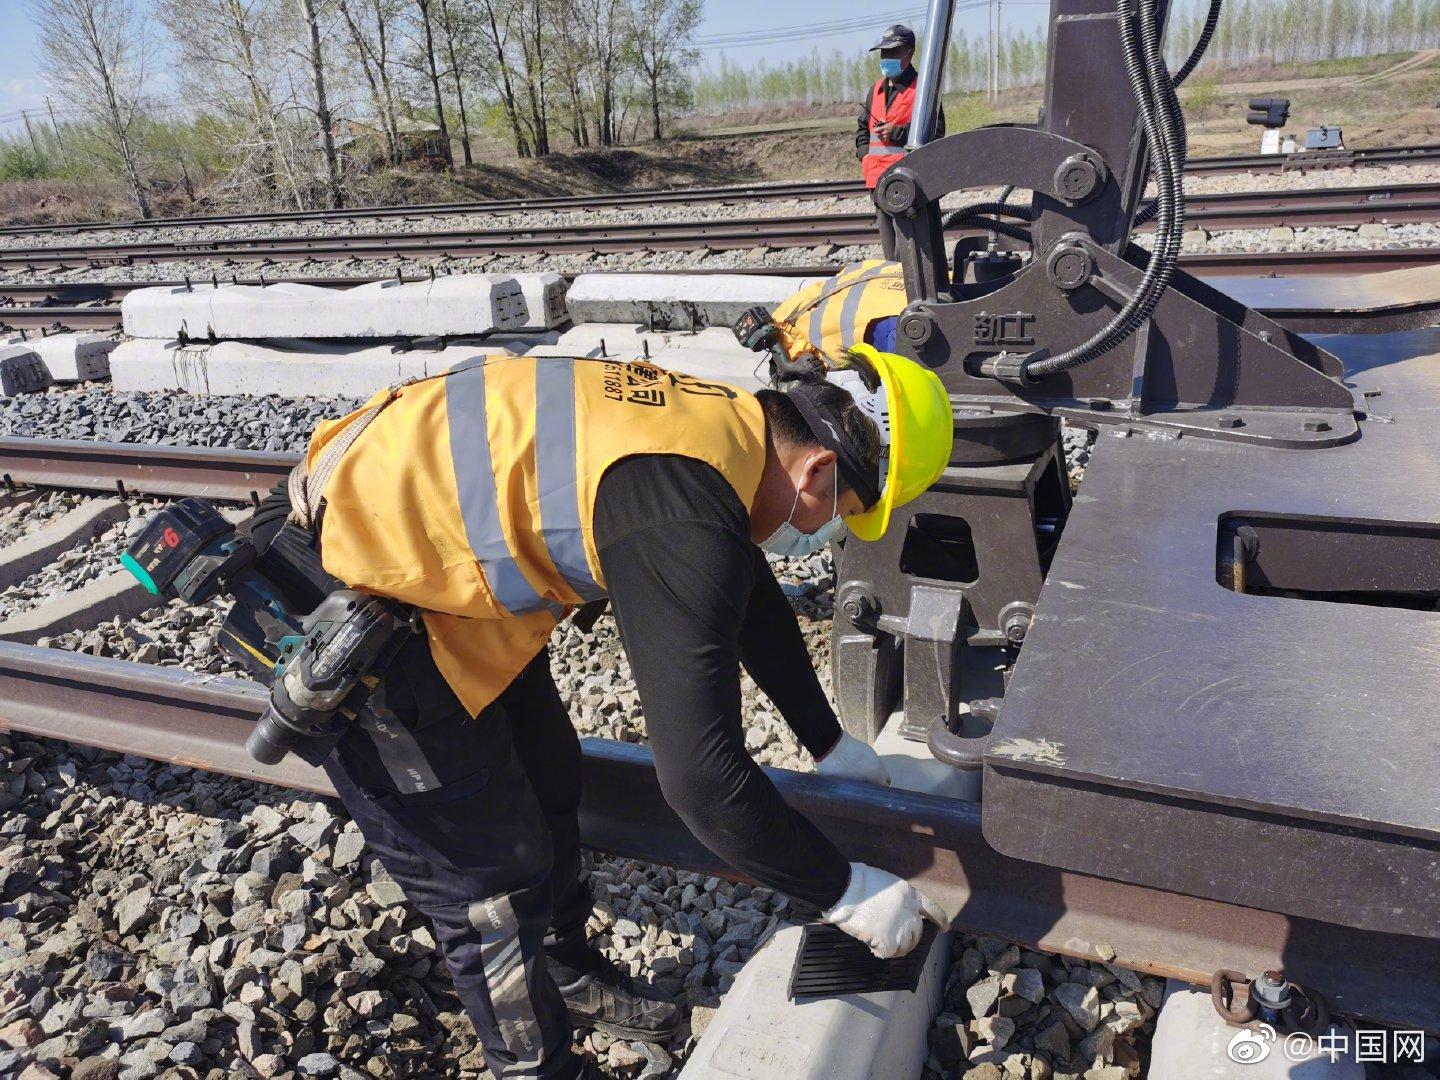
[50, 306]
[172, 715]
[1311, 207]
[734, 193]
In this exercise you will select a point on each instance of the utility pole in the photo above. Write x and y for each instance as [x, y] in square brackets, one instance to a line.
[990, 51]
[999, 44]
[51, 110]
[30, 131]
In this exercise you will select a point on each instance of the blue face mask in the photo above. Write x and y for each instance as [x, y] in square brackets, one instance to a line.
[789, 541]
[891, 68]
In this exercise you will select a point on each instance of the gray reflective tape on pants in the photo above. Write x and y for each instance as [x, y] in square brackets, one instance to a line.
[506, 978]
[885, 151]
[479, 501]
[555, 475]
[399, 750]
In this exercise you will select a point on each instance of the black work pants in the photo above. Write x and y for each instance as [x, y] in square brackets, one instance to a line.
[476, 819]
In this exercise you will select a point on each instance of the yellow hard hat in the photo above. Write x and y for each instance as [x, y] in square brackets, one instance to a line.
[922, 431]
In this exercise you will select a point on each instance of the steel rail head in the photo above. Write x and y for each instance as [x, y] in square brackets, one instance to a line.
[201, 722]
[208, 472]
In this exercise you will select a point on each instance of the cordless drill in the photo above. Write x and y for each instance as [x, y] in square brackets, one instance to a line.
[757, 331]
[320, 667]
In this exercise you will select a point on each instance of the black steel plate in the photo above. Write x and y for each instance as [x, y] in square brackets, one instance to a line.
[831, 963]
[1276, 752]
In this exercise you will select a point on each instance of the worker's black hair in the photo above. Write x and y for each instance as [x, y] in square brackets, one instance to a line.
[788, 425]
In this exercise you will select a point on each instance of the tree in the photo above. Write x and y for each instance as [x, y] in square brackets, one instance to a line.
[98, 52]
[433, 72]
[495, 31]
[450, 24]
[661, 36]
[227, 51]
[324, 119]
[369, 40]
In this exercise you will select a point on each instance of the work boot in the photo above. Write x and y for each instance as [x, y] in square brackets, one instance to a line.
[602, 997]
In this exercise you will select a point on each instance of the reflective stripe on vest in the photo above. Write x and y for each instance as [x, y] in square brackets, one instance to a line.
[881, 150]
[555, 473]
[851, 283]
[479, 499]
[555, 470]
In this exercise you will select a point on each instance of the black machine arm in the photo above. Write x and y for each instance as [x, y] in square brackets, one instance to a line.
[1088, 324]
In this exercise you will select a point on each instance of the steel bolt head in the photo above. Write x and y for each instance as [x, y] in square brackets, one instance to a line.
[1316, 425]
[916, 327]
[1077, 179]
[857, 604]
[1228, 420]
[897, 192]
[1069, 266]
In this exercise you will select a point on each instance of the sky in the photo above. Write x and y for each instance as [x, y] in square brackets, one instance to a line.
[742, 30]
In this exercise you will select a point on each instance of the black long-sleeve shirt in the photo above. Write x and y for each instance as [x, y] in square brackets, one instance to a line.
[694, 599]
[892, 87]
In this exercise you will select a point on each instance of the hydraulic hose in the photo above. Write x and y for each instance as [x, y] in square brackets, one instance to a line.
[1212, 18]
[1159, 112]
[999, 208]
[1202, 43]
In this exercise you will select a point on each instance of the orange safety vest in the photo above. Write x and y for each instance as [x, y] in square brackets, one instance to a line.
[832, 317]
[472, 494]
[881, 154]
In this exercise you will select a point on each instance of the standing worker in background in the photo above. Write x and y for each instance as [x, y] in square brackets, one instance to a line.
[885, 118]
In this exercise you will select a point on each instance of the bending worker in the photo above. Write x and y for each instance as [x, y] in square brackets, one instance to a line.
[501, 495]
[828, 318]
[885, 118]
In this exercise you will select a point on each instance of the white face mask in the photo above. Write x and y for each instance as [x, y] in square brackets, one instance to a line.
[789, 541]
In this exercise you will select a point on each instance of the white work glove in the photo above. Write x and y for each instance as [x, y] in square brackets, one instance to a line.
[851, 759]
[883, 911]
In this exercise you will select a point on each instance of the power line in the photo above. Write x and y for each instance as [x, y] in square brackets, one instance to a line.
[806, 30]
[850, 24]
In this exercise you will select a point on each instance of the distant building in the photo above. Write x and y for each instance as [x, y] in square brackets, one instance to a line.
[420, 141]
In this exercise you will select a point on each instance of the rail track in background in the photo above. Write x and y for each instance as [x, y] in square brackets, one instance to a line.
[1304, 208]
[56, 306]
[734, 193]
[201, 721]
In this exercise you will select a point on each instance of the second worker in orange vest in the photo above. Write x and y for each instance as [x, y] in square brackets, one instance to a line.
[885, 118]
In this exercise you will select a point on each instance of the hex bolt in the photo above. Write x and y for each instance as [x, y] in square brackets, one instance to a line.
[898, 193]
[1069, 266]
[916, 327]
[858, 604]
[1015, 620]
[1077, 179]
[1099, 404]
[1228, 420]
[1265, 336]
[1317, 425]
